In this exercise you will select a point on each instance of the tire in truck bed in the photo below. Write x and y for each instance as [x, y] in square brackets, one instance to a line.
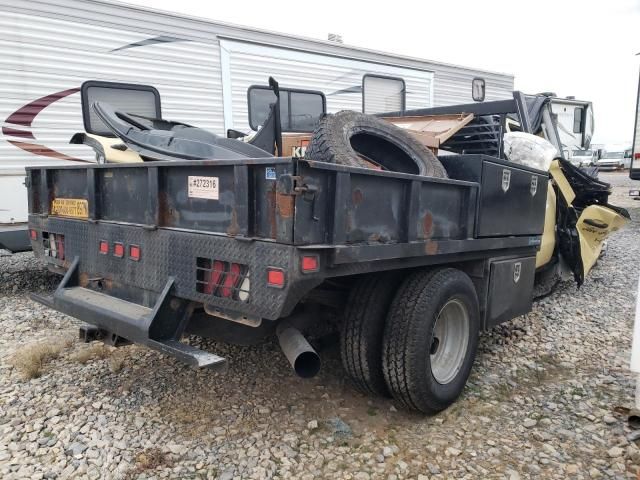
[359, 140]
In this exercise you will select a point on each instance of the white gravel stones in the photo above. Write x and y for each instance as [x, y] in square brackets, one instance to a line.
[564, 366]
[452, 452]
[614, 452]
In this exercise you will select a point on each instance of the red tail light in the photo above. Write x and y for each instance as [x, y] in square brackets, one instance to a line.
[53, 245]
[33, 234]
[60, 246]
[231, 280]
[134, 252]
[275, 278]
[310, 263]
[104, 247]
[118, 250]
[222, 279]
[215, 279]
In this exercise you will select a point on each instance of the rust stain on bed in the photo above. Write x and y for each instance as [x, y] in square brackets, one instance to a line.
[427, 225]
[234, 228]
[271, 212]
[285, 205]
[167, 215]
[357, 196]
[431, 247]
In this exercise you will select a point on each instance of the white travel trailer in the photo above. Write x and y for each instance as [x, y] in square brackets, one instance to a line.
[201, 68]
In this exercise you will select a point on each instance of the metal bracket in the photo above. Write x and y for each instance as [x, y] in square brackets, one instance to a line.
[294, 185]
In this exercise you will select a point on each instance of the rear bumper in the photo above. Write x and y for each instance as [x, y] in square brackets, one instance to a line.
[159, 327]
[178, 255]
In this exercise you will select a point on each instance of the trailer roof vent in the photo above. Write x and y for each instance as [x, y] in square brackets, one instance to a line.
[334, 37]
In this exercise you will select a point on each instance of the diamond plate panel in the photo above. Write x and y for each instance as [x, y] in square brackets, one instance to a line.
[173, 253]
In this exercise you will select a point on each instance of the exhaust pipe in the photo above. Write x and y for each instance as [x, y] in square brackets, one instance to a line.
[302, 357]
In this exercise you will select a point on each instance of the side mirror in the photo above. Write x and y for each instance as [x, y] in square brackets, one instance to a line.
[478, 89]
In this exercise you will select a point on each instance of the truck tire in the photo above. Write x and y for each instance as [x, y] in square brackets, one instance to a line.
[426, 362]
[362, 329]
[358, 140]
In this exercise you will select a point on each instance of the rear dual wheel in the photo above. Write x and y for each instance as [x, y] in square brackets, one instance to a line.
[416, 343]
[430, 339]
[363, 329]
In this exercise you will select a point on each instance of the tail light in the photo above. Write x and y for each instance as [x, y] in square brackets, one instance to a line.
[222, 279]
[118, 250]
[215, 278]
[309, 263]
[134, 253]
[53, 244]
[275, 277]
[33, 234]
[60, 246]
[231, 280]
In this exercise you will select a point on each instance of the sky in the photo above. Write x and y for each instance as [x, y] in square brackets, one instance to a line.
[582, 48]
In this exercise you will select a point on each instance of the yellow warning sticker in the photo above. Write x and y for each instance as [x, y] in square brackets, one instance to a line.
[70, 207]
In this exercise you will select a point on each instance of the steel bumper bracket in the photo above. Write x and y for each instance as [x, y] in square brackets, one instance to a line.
[159, 328]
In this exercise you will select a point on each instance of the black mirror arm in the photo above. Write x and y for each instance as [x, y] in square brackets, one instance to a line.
[278, 127]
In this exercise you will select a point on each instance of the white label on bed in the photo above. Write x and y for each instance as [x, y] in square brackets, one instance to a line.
[203, 187]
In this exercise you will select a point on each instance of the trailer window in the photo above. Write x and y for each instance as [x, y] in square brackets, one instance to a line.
[577, 120]
[300, 110]
[382, 94]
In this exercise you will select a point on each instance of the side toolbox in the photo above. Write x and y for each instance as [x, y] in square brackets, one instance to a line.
[509, 289]
[512, 197]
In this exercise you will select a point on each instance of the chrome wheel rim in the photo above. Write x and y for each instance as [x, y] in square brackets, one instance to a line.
[449, 341]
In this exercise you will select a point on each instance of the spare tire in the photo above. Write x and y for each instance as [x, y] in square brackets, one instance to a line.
[359, 140]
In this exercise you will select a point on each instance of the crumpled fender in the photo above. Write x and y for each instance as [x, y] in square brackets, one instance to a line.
[584, 219]
[595, 224]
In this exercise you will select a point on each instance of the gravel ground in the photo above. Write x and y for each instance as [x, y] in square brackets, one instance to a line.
[544, 399]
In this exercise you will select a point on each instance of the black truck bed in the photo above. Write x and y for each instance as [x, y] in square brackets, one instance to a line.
[184, 218]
